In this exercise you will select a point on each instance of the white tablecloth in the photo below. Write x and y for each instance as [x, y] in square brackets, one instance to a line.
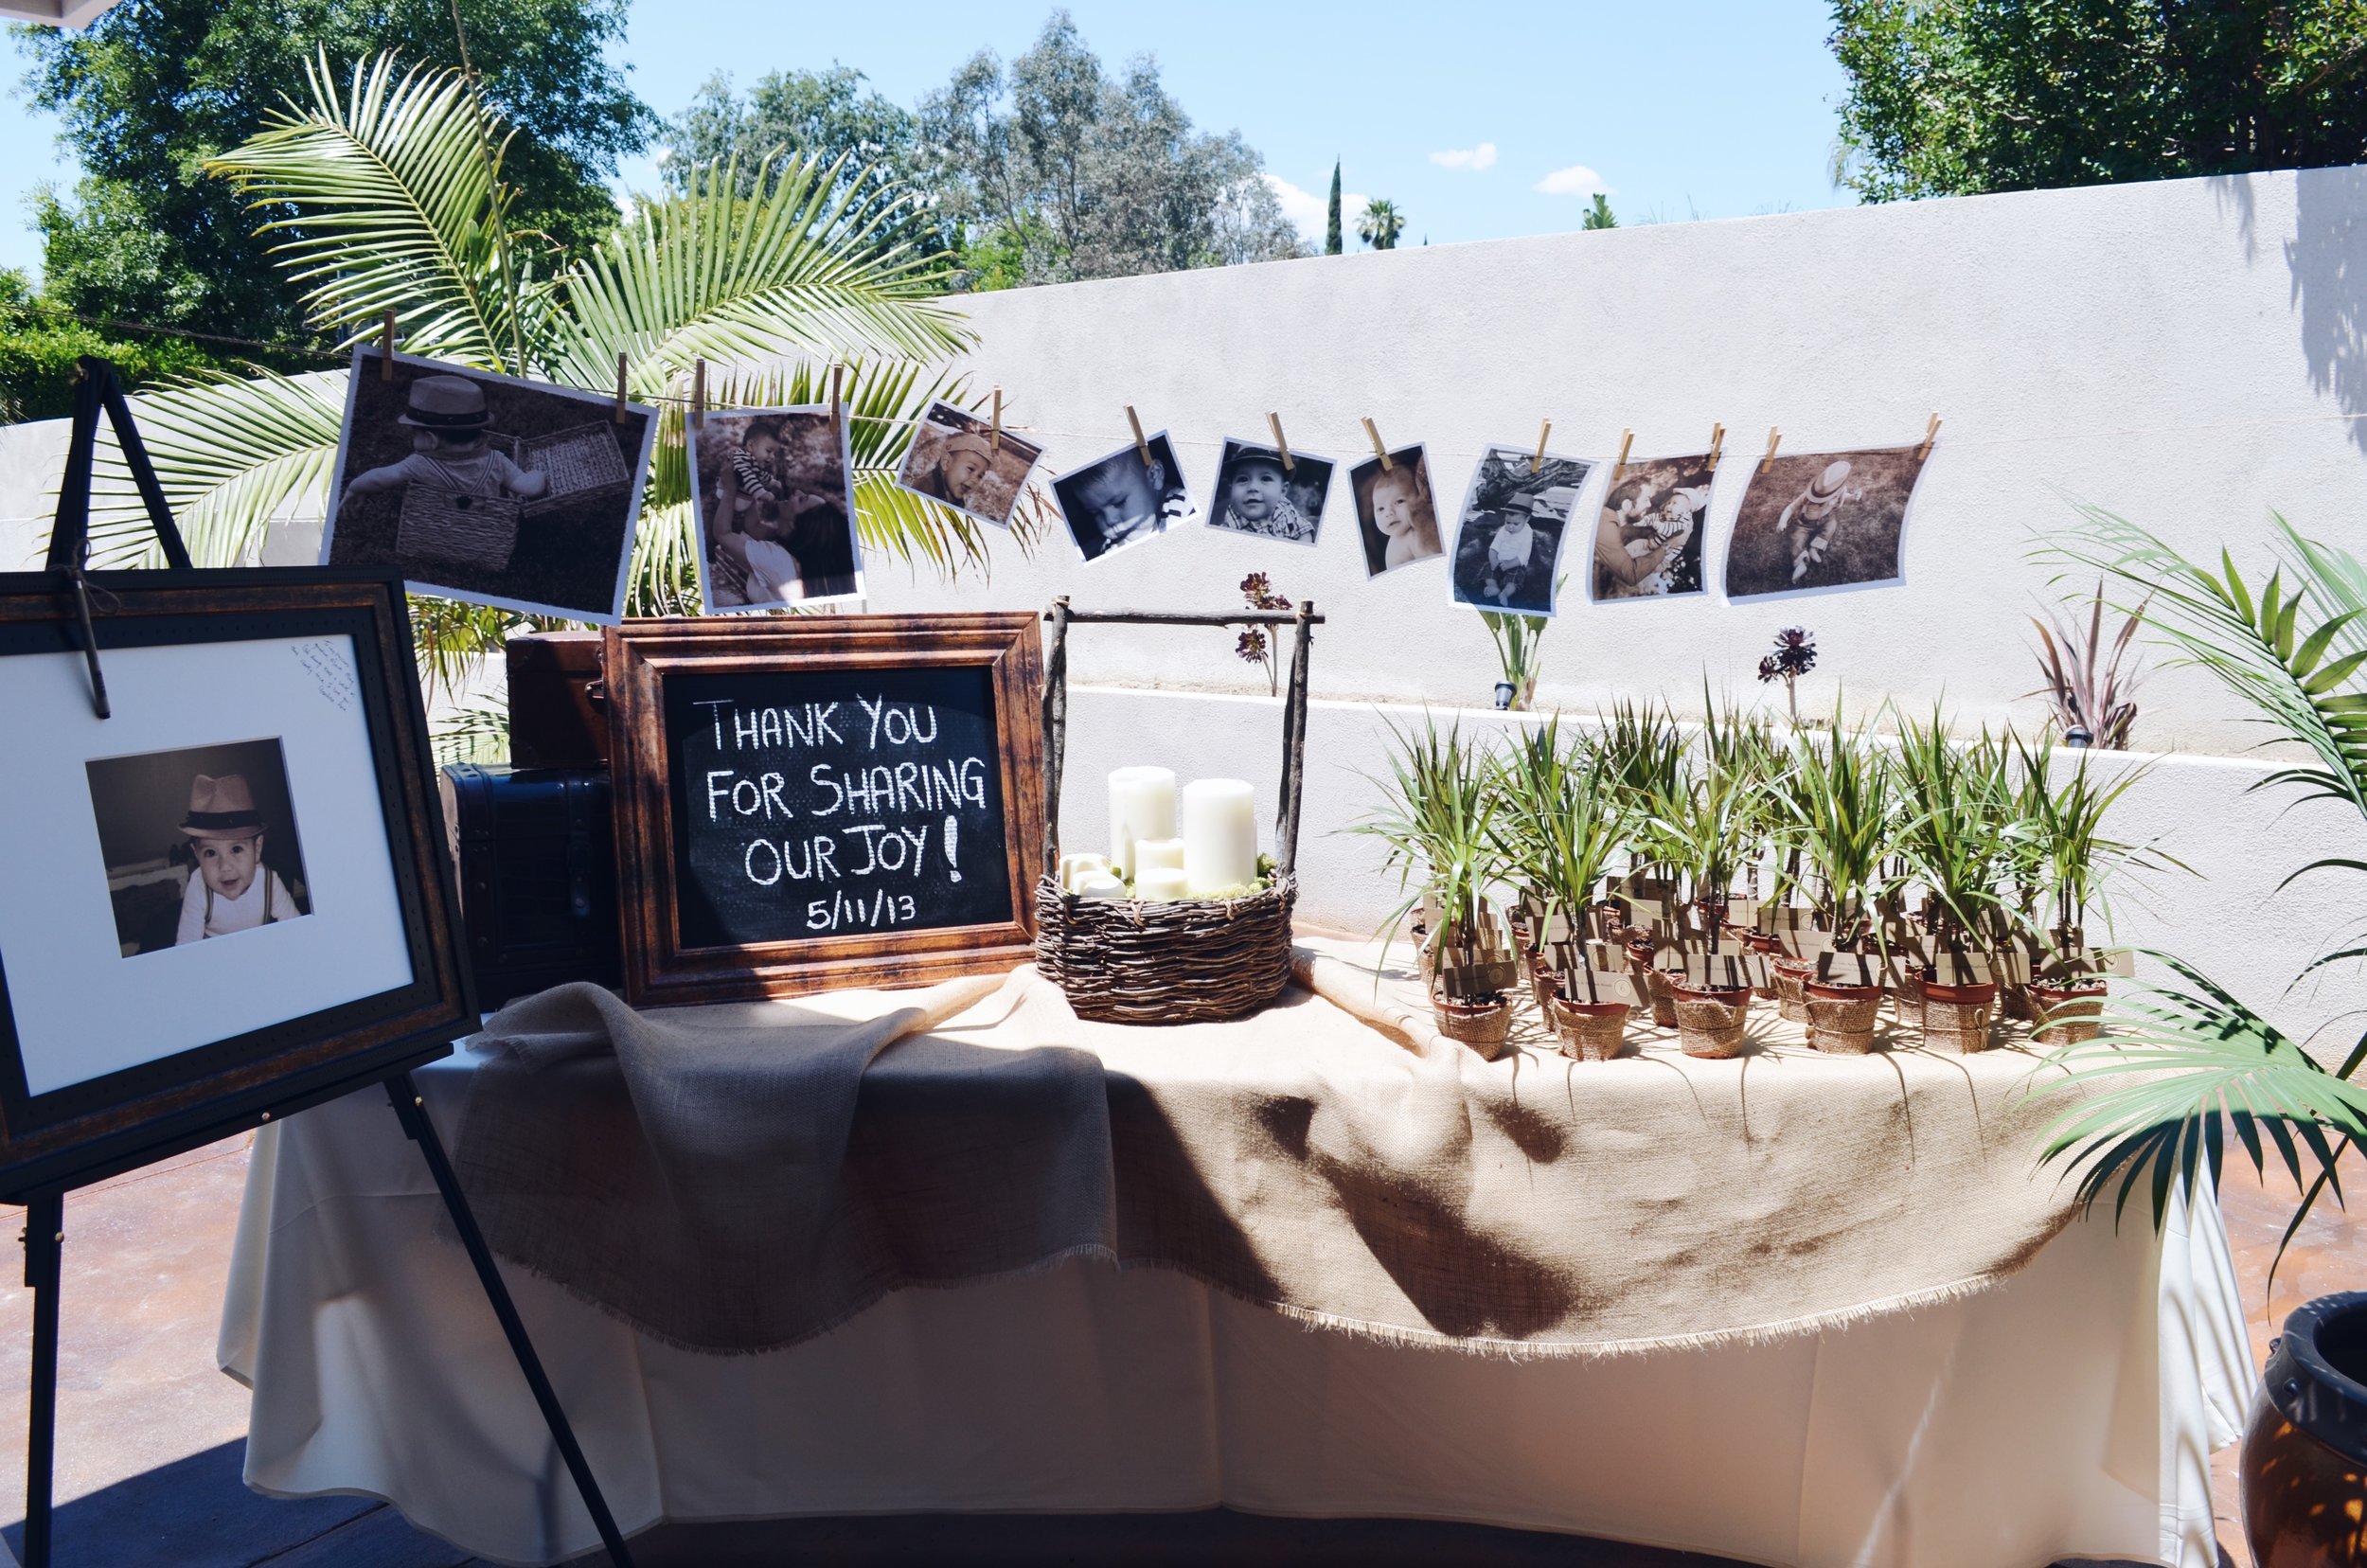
[2069, 1412]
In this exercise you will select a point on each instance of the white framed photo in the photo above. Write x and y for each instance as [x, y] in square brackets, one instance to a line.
[1128, 497]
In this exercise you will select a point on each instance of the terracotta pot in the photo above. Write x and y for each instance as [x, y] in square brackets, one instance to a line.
[1957, 1017]
[1590, 1031]
[1791, 979]
[2067, 1014]
[1709, 1019]
[1486, 1026]
[1543, 987]
[1841, 1018]
[1770, 949]
[2013, 1001]
[2305, 1458]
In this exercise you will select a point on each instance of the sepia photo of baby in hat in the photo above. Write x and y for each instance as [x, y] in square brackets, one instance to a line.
[450, 447]
[231, 889]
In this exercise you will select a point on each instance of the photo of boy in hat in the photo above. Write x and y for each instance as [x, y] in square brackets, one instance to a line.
[1508, 540]
[964, 462]
[231, 889]
[1825, 520]
[451, 448]
[1259, 495]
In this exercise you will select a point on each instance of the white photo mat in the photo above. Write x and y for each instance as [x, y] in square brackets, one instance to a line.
[80, 1010]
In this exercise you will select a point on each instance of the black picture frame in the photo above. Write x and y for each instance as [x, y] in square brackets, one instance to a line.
[84, 1131]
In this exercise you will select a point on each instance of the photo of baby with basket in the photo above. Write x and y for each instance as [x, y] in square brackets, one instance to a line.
[487, 487]
[775, 495]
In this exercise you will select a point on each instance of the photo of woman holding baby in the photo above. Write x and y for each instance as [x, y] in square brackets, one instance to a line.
[775, 498]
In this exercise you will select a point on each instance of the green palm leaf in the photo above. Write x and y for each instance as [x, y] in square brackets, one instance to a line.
[712, 275]
[397, 207]
[231, 454]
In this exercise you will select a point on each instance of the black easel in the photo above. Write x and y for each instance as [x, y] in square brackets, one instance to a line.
[97, 389]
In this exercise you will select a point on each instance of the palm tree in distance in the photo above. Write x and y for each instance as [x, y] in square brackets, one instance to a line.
[1382, 224]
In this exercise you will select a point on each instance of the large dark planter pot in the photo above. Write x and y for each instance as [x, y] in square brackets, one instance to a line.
[2305, 1462]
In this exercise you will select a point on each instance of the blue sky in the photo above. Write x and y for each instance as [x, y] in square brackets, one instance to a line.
[1480, 120]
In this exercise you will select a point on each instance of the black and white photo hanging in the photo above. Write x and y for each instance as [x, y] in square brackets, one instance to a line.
[965, 462]
[1823, 522]
[1395, 515]
[1508, 535]
[488, 487]
[1649, 531]
[1264, 493]
[774, 490]
[1133, 494]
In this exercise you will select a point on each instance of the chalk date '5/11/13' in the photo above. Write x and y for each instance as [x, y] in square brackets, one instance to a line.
[839, 912]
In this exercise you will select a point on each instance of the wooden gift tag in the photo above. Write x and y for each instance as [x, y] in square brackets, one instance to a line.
[1742, 911]
[1851, 969]
[1961, 969]
[2011, 967]
[1807, 942]
[1483, 963]
[1775, 919]
[1731, 968]
[2121, 963]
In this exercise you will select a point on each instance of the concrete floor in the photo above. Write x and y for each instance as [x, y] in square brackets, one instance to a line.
[151, 1433]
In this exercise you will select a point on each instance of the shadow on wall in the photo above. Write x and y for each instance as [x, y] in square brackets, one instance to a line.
[2327, 256]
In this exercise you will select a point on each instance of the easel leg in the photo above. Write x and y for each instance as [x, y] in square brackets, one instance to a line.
[45, 1236]
[410, 1110]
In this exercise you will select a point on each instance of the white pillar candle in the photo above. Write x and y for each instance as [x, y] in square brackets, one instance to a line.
[1098, 885]
[1142, 806]
[1158, 882]
[1075, 868]
[1158, 855]
[1219, 835]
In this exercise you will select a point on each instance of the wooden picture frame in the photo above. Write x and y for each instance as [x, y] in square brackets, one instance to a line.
[682, 942]
[112, 1053]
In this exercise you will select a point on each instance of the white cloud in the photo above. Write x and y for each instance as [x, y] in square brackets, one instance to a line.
[1481, 156]
[1310, 213]
[1576, 180]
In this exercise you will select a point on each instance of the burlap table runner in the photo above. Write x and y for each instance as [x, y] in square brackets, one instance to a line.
[740, 1179]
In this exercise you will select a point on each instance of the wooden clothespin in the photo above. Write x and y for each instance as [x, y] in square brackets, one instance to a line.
[1717, 440]
[698, 393]
[1379, 450]
[1141, 446]
[1627, 439]
[1273, 423]
[1537, 459]
[1930, 432]
[995, 442]
[386, 346]
[838, 377]
[1775, 440]
[620, 389]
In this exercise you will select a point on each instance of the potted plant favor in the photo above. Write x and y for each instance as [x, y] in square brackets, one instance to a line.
[1640, 760]
[1838, 823]
[1560, 828]
[1707, 829]
[1438, 818]
[2062, 837]
[1955, 811]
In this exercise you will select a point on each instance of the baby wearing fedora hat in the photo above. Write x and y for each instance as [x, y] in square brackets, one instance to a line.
[232, 889]
[451, 448]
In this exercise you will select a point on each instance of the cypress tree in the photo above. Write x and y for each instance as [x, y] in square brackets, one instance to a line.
[1332, 231]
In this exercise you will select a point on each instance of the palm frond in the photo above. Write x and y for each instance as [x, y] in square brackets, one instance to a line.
[396, 207]
[232, 454]
[713, 274]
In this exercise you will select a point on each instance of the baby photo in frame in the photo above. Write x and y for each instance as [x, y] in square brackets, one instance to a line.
[774, 490]
[488, 487]
[963, 461]
[243, 887]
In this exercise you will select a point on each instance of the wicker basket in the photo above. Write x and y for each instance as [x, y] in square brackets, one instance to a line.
[582, 463]
[1168, 961]
[443, 525]
[1590, 1031]
[1710, 1022]
[1841, 1018]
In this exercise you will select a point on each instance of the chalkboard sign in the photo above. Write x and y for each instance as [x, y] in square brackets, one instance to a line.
[823, 801]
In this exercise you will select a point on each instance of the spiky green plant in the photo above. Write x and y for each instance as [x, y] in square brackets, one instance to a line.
[1562, 826]
[1838, 827]
[2185, 1062]
[386, 186]
[1438, 817]
[1956, 801]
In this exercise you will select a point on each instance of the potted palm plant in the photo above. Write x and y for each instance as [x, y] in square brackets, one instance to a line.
[1839, 823]
[2184, 1059]
[1956, 810]
[2060, 829]
[1560, 829]
[1438, 818]
[1706, 829]
[1640, 758]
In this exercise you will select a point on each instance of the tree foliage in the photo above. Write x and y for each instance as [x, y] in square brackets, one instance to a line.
[1955, 97]
[1382, 224]
[1332, 244]
[1054, 168]
[154, 88]
[1598, 215]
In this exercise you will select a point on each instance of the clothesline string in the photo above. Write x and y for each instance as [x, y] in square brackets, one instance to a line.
[332, 356]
